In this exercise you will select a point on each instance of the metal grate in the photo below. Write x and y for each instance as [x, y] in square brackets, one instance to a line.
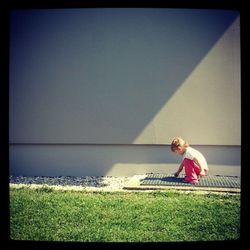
[207, 181]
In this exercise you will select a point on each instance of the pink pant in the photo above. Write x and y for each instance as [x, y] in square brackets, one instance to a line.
[192, 171]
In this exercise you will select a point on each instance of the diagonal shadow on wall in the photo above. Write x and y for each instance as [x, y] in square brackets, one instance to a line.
[100, 76]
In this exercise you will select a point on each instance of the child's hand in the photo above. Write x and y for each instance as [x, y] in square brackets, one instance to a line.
[176, 174]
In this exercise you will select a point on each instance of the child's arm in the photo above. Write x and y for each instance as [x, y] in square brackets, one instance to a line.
[176, 174]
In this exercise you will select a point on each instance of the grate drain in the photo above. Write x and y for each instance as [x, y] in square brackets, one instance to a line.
[156, 179]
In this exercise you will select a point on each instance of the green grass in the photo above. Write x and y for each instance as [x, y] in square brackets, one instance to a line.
[49, 215]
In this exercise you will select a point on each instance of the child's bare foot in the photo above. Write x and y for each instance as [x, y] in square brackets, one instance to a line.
[200, 176]
[191, 182]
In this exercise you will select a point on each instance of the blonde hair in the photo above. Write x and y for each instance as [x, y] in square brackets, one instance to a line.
[178, 142]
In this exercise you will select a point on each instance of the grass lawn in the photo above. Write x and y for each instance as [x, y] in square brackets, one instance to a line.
[49, 215]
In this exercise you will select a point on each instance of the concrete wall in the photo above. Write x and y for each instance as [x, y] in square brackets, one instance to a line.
[87, 83]
[113, 160]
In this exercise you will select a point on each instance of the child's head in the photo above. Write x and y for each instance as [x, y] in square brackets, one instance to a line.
[179, 146]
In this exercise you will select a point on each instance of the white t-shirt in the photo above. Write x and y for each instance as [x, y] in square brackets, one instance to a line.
[192, 153]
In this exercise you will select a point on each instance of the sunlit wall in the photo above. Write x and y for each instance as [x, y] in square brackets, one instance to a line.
[107, 80]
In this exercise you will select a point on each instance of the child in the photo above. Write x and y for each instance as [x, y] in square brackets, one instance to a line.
[193, 161]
